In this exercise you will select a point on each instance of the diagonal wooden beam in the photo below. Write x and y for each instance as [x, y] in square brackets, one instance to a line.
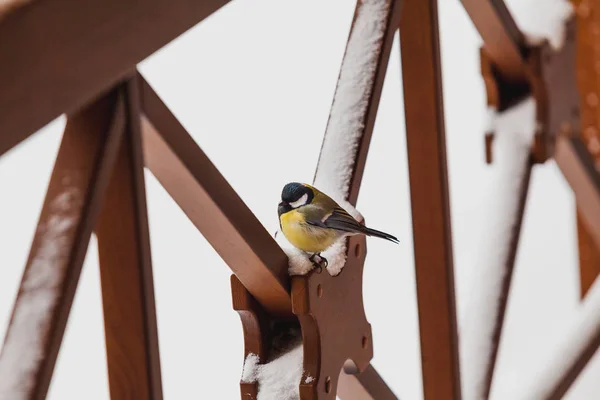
[503, 41]
[81, 173]
[368, 385]
[213, 206]
[126, 271]
[356, 99]
[481, 327]
[432, 236]
[50, 70]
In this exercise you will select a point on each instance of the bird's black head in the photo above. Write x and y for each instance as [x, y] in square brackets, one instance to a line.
[294, 195]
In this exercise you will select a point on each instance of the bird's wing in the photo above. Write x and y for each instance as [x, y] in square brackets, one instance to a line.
[338, 219]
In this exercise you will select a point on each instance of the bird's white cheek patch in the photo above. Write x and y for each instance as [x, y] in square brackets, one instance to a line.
[300, 202]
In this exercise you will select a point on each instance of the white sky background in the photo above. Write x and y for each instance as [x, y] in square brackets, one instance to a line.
[253, 85]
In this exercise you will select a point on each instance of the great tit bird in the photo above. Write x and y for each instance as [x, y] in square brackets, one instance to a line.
[312, 221]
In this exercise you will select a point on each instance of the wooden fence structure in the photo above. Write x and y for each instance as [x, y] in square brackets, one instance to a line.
[117, 125]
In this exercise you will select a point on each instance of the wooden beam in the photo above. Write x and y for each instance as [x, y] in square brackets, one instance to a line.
[368, 385]
[356, 99]
[213, 206]
[481, 327]
[64, 53]
[503, 41]
[126, 271]
[432, 236]
[577, 166]
[588, 84]
[81, 173]
[589, 256]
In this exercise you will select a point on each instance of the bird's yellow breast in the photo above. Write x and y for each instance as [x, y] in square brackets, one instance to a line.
[303, 236]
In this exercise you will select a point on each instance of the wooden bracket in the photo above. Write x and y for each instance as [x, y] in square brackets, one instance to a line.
[330, 317]
[551, 80]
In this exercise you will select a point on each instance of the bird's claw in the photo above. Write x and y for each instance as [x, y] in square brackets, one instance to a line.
[321, 263]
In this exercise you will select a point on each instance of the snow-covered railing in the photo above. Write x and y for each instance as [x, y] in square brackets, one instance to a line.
[98, 185]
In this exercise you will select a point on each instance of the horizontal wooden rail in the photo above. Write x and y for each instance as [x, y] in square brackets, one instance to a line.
[60, 54]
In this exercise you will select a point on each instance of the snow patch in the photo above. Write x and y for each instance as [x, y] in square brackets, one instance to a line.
[278, 379]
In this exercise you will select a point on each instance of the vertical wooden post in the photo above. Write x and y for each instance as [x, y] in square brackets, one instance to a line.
[126, 270]
[587, 17]
[426, 144]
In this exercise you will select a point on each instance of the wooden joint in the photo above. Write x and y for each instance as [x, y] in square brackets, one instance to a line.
[329, 323]
[551, 81]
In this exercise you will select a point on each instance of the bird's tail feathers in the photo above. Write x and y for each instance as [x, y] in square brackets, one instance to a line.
[379, 234]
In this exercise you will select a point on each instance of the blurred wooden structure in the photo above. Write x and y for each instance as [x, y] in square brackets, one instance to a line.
[117, 126]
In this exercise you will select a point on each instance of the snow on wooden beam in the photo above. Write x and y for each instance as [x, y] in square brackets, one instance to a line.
[81, 173]
[432, 234]
[351, 119]
[356, 99]
[45, 78]
[565, 360]
[213, 206]
[481, 326]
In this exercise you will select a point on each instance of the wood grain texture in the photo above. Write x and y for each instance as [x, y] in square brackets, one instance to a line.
[126, 271]
[81, 173]
[64, 53]
[426, 145]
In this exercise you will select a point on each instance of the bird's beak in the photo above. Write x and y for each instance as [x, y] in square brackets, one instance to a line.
[283, 208]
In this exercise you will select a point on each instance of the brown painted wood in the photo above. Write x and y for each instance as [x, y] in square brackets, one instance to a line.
[577, 166]
[334, 325]
[364, 386]
[375, 78]
[81, 172]
[51, 71]
[126, 271]
[328, 341]
[589, 256]
[503, 41]
[426, 144]
[213, 206]
[587, 18]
